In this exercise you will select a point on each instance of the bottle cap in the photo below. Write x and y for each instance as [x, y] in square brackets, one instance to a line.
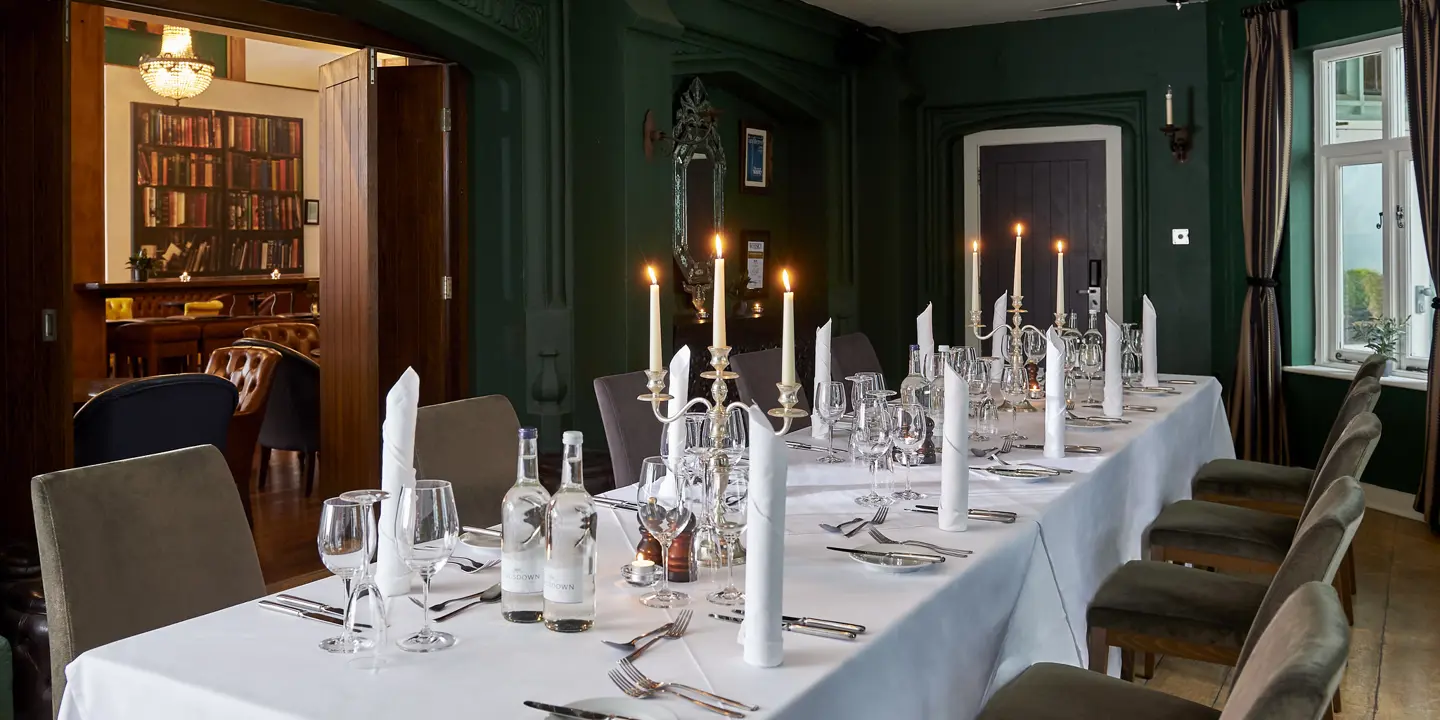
[529, 433]
[572, 437]
[914, 347]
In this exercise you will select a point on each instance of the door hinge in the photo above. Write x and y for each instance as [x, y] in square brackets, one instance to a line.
[445, 119]
[370, 61]
[447, 289]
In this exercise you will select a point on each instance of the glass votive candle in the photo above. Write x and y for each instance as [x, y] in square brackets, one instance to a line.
[640, 572]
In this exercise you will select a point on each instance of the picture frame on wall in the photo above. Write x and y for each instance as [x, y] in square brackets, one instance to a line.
[757, 154]
[312, 212]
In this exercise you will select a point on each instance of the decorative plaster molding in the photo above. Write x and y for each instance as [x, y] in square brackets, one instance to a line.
[523, 20]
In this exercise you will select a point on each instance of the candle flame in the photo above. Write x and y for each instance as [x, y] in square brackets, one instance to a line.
[653, 280]
[1019, 229]
[718, 246]
[975, 246]
[639, 556]
[785, 276]
[1060, 246]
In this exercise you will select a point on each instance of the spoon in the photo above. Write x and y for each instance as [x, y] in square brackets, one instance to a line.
[490, 596]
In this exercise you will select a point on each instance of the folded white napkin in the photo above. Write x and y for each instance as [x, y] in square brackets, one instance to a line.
[1149, 374]
[1054, 394]
[954, 456]
[1114, 385]
[397, 471]
[765, 544]
[822, 374]
[679, 392]
[997, 341]
[925, 330]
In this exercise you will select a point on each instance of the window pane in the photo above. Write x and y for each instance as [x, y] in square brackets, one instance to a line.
[1362, 254]
[1356, 106]
[1422, 286]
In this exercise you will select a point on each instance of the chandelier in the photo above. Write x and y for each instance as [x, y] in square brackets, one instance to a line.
[176, 73]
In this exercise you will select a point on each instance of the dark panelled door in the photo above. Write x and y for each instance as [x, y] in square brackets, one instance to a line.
[1057, 191]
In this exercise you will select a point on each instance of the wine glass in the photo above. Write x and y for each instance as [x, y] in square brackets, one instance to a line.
[665, 509]
[830, 405]
[879, 385]
[1014, 385]
[731, 505]
[737, 433]
[907, 433]
[1092, 355]
[860, 383]
[977, 385]
[689, 430]
[1033, 343]
[341, 541]
[365, 603]
[872, 441]
[427, 527]
[962, 358]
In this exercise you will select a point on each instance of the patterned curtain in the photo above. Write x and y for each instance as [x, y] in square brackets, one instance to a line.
[1422, 64]
[1257, 407]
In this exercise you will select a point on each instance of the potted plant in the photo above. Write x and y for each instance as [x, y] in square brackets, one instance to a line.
[141, 265]
[1383, 335]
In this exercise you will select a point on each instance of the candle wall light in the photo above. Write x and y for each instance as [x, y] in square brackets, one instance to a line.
[1179, 134]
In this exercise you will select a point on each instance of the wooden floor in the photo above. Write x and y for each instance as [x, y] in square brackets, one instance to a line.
[1394, 671]
[285, 524]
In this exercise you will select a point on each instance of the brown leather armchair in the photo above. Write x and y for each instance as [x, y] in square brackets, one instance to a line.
[252, 370]
[300, 337]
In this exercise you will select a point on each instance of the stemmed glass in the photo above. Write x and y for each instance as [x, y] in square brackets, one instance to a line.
[879, 385]
[665, 508]
[1092, 355]
[907, 432]
[872, 441]
[1014, 386]
[427, 527]
[830, 405]
[731, 504]
[1130, 356]
[977, 384]
[341, 541]
[365, 598]
[737, 432]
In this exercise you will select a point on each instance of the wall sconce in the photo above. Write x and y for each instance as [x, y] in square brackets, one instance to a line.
[1179, 135]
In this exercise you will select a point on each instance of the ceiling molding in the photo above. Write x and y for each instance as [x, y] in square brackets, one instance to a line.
[905, 16]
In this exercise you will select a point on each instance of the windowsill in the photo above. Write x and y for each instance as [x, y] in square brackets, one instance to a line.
[1408, 383]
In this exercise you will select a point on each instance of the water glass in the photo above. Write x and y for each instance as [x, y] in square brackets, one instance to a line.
[341, 541]
[1092, 356]
[737, 433]
[830, 406]
[427, 527]
[665, 509]
[730, 514]
[366, 605]
[987, 419]
[872, 441]
[692, 434]
[907, 433]
[1014, 386]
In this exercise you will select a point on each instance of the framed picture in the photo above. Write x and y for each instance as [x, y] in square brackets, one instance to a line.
[755, 242]
[312, 212]
[755, 149]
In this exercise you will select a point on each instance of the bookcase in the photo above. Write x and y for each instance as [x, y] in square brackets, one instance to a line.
[218, 193]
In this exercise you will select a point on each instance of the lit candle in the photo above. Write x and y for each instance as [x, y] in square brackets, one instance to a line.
[655, 360]
[1169, 105]
[787, 334]
[717, 337]
[1060, 278]
[1016, 284]
[974, 274]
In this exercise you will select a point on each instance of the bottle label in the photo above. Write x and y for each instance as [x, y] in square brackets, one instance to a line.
[564, 585]
[522, 573]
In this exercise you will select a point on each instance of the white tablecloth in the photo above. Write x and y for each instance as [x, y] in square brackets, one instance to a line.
[939, 641]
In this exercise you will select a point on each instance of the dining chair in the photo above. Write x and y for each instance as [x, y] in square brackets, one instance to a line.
[631, 431]
[471, 443]
[130, 546]
[850, 354]
[203, 308]
[1277, 488]
[119, 308]
[300, 337]
[277, 303]
[252, 370]
[1295, 668]
[759, 374]
[153, 415]
[223, 332]
[292, 417]
[1156, 607]
[142, 346]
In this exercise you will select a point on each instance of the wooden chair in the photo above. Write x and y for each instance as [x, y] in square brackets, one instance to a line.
[142, 346]
[300, 337]
[252, 370]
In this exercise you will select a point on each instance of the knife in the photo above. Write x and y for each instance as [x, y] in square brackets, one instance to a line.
[1082, 449]
[491, 532]
[571, 712]
[1007, 519]
[612, 502]
[308, 614]
[304, 604]
[802, 628]
[848, 627]
[1178, 381]
[891, 555]
[974, 511]
[1135, 408]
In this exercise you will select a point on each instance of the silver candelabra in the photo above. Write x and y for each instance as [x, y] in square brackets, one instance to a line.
[1017, 330]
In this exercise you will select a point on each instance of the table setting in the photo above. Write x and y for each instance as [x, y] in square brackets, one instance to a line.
[748, 571]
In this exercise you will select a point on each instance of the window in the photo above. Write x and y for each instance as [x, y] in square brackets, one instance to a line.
[1370, 253]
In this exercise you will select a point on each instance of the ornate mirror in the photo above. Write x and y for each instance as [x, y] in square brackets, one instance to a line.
[699, 192]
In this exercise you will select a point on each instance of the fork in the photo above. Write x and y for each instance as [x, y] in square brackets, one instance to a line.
[631, 645]
[628, 669]
[1007, 446]
[473, 566]
[677, 628]
[635, 691]
[437, 607]
[883, 539]
[876, 520]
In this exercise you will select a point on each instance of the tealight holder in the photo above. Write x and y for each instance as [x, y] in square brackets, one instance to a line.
[640, 573]
[789, 397]
[655, 381]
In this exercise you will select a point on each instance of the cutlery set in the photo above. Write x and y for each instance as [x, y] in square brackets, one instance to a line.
[794, 445]
[1000, 516]
[795, 626]
[857, 524]
[308, 609]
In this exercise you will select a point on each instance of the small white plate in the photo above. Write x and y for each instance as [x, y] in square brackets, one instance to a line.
[481, 541]
[893, 565]
[1087, 425]
[628, 707]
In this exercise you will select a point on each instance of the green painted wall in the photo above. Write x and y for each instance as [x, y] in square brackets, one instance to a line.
[125, 47]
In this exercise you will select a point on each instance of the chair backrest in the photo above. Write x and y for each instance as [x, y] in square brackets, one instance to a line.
[1348, 458]
[251, 369]
[153, 415]
[131, 546]
[204, 308]
[119, 308]
[1373, 367]
[631, 430]
[471, 443]
[292, 416]
[1314, 556]
[1364, 393]
[759, 374]
[300, 337]
[1298, 661]
[850, 354]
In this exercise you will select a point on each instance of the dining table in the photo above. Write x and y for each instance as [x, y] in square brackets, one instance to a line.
[937, 642]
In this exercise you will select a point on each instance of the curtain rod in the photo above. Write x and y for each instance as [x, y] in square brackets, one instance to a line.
[1268, 6]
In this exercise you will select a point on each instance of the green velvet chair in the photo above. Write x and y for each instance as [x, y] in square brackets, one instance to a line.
[472, 443]
[1276, 488]
[1156, 607]
[1294, 669]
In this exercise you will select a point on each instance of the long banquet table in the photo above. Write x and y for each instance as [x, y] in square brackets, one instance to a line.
[939, 641]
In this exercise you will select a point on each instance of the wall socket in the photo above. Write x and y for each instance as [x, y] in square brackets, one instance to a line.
[1180, 236]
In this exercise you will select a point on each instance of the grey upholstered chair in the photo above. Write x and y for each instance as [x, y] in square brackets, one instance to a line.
[631, 430]
[759, 374]
[1276, 487]
[850, 354]
[1157, 607]
[134, 545]
[1293, 671]
[472, 443]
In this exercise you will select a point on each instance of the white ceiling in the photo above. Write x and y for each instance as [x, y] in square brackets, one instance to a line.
[912, 15]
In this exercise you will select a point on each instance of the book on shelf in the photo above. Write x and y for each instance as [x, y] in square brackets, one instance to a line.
[264, 173]
[251, 211]
[266, 254]
[175, 168]
[264, 134]
[158, 126]
[175, 208]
